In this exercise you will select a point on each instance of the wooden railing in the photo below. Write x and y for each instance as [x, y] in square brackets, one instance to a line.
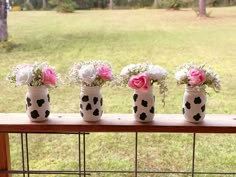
[72, 123]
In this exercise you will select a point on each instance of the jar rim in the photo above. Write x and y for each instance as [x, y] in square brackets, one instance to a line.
[195, 88]
[37, 88]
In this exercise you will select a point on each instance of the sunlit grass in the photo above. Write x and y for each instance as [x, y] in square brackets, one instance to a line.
[167, 38]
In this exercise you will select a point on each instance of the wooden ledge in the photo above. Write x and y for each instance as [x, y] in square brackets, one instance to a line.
[71, 123]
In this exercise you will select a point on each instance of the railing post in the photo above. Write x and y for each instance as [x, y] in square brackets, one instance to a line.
[5, 161]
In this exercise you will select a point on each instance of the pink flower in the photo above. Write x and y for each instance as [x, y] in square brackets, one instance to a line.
[105, 73]
[140, 82]
[49, 76]
[196, 77]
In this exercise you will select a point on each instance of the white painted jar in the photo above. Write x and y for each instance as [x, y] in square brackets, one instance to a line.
[91, 102]
[143, 105]
[37, 103]
[194, 104]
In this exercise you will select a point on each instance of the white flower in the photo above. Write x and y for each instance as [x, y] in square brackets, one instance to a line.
[156, 72]
[24, 74]
[211, 76]
[212, 79]
[88, 73]
[129, 68]
[181, 75]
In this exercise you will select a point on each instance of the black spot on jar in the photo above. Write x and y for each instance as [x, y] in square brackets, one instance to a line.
[197, 117]
[34, 114]
[152, 110]
[197, 100]
[47, 112]
[143, 116]
[81, 113]
[88, 107]
[135, 96]
[203, 108]
[40, 102]
[85, 98]
[187, 105]
[28, 100]
[96, 112]
[135, 109]
[95, 100]
[48, 96]
[101, 102]
[144, 103]
[183, 110]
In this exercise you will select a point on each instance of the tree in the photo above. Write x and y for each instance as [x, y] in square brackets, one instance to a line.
[110, 4]
[3, 21]
[202, 8]
[155, 3]
[44, 4]
[28, 5]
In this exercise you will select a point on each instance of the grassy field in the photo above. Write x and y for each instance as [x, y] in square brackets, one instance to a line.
[166, 38]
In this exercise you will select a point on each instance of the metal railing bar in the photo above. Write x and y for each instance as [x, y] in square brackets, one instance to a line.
[27, 154]
[42, 172]
[79, 152]
[84, 154]
[22, 153]
[193, 157]
[161, 172]
[136, 155]
[216, 173]
[158, 172]
[110, 171]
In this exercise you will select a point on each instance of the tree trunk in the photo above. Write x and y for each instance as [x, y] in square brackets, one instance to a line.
[3, 21]
[202, 8]
[99, 3]
[44, 4]
[111, 4]
[155, 3]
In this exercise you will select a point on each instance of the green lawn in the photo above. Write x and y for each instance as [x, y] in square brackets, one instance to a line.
[166, 38]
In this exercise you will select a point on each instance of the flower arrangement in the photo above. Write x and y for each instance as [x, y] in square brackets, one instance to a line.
[36, 74]
[91, 73]
[197, 76]
[143, 76]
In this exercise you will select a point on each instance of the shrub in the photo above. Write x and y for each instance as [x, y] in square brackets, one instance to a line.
[171, 4]
[28, 6]
[64, 5]
[85, 4]
[16, 8]
[7, 46]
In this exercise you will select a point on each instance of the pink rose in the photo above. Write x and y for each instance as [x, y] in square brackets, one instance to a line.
[140, 81]
[49, 76]
[196, 77]
[105, 73]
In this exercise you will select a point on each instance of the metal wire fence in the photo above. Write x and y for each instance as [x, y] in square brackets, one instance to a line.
[81, 168]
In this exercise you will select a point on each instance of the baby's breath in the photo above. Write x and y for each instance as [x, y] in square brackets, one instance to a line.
[212, 79]
[35, 73]
[157, 75]
[92, 78]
